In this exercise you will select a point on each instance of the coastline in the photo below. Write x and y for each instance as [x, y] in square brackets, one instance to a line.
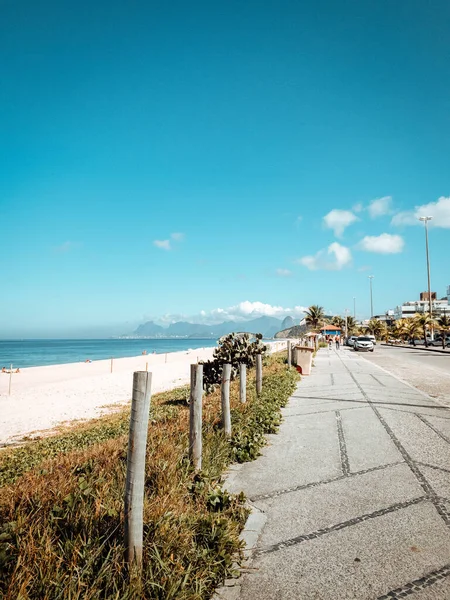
[43, 398]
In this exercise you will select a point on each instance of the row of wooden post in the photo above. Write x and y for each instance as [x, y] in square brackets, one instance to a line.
[137, 441]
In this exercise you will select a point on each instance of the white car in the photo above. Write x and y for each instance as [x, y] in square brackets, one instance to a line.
[351, 340]
[373, 338]
[363, 344]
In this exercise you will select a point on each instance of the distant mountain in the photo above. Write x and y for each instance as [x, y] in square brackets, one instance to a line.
[149, 329]
[268, 326]
[287, 322]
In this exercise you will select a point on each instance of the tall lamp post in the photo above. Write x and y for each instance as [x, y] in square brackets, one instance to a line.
[430, 305]
[371, 296]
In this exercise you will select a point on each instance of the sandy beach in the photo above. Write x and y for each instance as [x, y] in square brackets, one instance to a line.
[45, 397]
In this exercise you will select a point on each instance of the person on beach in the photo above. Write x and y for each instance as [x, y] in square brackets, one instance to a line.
[4, 370]
[329, 343]
[338, 341]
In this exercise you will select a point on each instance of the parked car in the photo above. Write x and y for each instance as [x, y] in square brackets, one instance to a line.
[438, 342]
[351, 340]
[373, 338]
[363, 344]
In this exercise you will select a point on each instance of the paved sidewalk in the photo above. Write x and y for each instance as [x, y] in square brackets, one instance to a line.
[355, 489]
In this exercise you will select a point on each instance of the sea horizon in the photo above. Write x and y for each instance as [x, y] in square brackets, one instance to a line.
[38, 352]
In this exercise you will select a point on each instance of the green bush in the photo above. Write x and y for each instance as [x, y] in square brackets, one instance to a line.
[234, 348]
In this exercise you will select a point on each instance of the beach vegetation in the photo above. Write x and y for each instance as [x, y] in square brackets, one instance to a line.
[61, 501]
[235, 349]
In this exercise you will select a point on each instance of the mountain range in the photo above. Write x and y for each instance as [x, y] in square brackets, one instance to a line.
[268, 326]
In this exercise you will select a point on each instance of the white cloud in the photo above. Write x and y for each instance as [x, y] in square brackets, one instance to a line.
[439, 210]
[338, 220]
[283, 272]
[382, 244]
[334, 258]
[166, 244]
[380, 207]
[163, 244]
[358, 207]
[244, 311]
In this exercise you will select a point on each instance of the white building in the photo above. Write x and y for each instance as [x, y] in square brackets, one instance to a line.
[409, 309]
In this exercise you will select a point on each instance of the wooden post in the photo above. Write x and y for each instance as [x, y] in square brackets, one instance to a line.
[10, 380]
[134, 487]
[195, 416]
[146, 366]
[111, 363]
[289, 354]
[225, 395]
[258, 373]
[165, 358]
[243, 383]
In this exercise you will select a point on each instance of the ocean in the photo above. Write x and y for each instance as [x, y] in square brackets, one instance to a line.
[36, 353]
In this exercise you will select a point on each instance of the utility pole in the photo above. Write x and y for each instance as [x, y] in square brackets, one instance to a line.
[425, 220]
[346, 324]
[371, 296]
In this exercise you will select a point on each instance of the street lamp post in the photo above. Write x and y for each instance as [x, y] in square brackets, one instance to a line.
[346, 324]
[371, 296]
[430, 305]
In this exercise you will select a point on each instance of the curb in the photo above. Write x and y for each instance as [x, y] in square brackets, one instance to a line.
[231, 589]
[417, 348]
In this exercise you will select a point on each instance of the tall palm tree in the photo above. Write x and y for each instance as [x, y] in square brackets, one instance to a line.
[315, 316]
[443, 324]
[424, 321]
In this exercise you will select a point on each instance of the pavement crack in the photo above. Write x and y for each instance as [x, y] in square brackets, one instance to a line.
[342, 446]
[417, 585]
[320, 532]
[432, 427]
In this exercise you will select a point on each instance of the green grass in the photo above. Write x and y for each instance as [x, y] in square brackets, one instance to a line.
[61, 504]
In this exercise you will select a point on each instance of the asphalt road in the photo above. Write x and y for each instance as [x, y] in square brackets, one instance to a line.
[427, 371]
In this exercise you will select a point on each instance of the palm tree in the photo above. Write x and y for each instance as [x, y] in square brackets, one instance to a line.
[315, 316]
[411, 329]
[338, 322]
[424, 321]
[351, 325]
[375, 327]
[444, 326]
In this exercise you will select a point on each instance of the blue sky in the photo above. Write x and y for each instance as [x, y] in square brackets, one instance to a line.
[164, 159]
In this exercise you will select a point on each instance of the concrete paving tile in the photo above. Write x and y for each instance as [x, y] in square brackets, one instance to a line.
[419, 441]
[441, 424]
[306, 450]
[368, 444]
[298, 513]
[439, 480]
[360, 562]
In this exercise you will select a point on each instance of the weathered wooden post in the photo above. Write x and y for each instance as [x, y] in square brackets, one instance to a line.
[134, 487]
[10, 380]
[258, 373]
[243, 383]
[195, 416]
[225, 395]
[289, 354]
[111, 364]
